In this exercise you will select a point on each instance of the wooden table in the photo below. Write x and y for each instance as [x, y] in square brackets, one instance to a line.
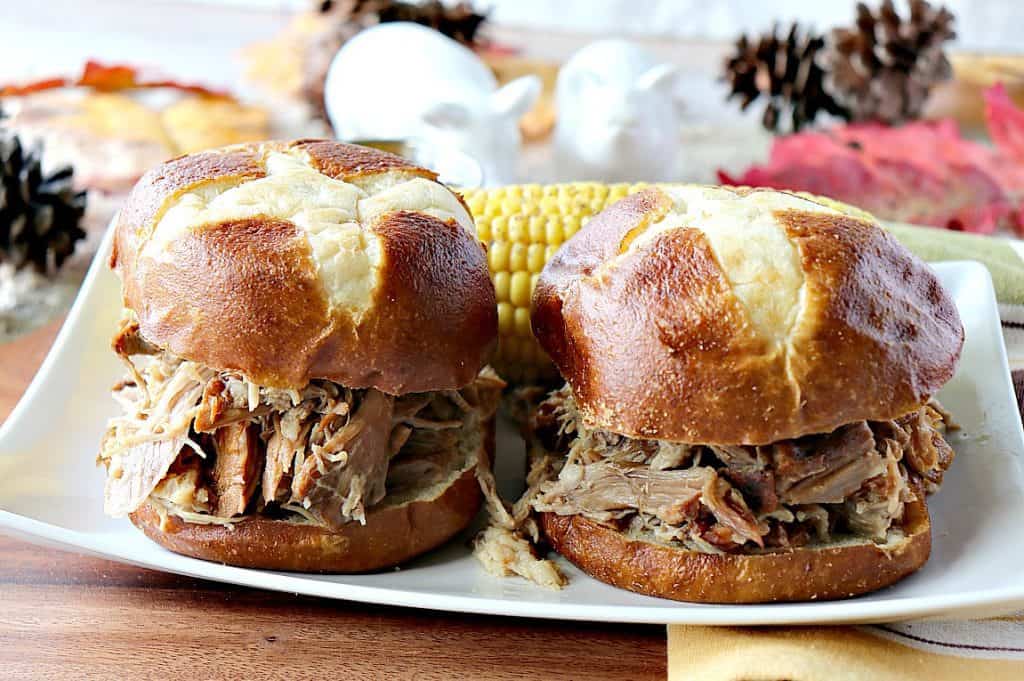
[64, 616]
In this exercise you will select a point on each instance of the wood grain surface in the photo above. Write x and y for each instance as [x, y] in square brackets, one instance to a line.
[64, 616]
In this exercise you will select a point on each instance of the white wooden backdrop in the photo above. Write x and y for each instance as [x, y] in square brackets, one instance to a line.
[987, 25]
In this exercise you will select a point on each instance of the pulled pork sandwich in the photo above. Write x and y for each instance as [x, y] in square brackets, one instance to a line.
[748, 411]
[305, 337]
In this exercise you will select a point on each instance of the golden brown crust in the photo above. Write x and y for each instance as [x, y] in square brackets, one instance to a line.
[246, 295]
[803, 574]
[655, 343]
[180, 175]
[417, 336]
[886, 331]
[348, 161]
[392, 535]
[249, 317]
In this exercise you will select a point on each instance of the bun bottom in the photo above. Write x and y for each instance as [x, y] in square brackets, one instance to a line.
[393, 534]
[831, 571]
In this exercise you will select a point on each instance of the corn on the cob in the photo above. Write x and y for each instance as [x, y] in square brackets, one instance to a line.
[522, 226]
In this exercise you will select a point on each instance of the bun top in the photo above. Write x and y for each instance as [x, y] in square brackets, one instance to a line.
[736, 316]
[290, 261]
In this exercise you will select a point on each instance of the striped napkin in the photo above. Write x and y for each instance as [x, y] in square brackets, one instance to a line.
[992, 650]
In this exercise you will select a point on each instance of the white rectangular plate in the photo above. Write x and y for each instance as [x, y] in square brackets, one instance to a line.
[51, 493]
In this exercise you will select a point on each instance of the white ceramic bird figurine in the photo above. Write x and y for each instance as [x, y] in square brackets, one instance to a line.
[405, 81]
[619, 115]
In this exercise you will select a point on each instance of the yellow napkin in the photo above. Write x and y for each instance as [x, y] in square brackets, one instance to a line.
[991, 650]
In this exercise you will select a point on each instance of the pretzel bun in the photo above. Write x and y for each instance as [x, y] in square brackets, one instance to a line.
[397, 529]
[720, 315]
[289, 261]
[839, 569]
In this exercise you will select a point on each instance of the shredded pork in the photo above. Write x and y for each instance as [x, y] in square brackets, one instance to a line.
[236, 468]
[853, 480]
[211, 446]
[347, 462]
[605, 490]
[729, 498]
[504, 552]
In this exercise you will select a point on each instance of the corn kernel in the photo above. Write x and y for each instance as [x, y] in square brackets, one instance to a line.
[476, 203]
[483, 229]
[498, 256]
[537, 229]
[535, 258]
[506, 319]
[553, 232]
[518, 230]
[519, 291]
[522, 322]
[572, 225]
[502, 282]
[523, 226]
[511, 205]
[499, 228]
[518, 259]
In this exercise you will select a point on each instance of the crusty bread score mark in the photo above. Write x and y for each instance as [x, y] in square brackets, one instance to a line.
[337, 217]
[766, 279]
[660, 328]
[753, 249]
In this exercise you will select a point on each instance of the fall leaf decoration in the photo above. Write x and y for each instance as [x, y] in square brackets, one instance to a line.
[39, 213]
[1005, 123]
[106, 78]
[783, 72]
[922, 172]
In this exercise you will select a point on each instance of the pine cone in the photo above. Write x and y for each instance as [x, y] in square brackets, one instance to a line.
[459, 22]
[39, 214]
[884, 69]
[785, 73]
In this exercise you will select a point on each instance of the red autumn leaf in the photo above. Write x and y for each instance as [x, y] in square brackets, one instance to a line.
[923, 172]
[1005, 122]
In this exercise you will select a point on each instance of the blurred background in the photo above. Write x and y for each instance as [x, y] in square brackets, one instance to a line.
[47, 33]
[906, 108]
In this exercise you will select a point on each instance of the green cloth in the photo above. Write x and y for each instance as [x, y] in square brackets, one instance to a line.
[1002, 261]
